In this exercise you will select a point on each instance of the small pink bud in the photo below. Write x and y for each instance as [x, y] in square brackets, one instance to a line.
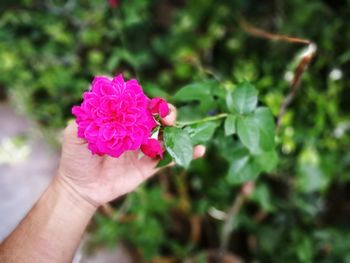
[152, 148]
[159, 106]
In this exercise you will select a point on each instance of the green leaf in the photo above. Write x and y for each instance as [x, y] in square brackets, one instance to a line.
[230, 125]
[225, 145]
[202, 132]
[202, 92]
[243, 99]
[257, 131]
[242, 167]
[179, 146]
[165, 161]
[153, 90]
[196, 91]
[267, 161]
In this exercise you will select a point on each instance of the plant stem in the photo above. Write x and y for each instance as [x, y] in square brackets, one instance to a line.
[211, 118]
[228, 223]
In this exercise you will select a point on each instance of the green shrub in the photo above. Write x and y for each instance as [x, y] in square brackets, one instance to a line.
[50, 50]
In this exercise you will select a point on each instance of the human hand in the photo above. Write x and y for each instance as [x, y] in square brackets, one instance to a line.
[100, 179]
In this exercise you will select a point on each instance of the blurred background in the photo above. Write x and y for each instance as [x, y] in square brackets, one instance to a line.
[49, 52]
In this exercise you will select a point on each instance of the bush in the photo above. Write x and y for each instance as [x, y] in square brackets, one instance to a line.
[50, 50]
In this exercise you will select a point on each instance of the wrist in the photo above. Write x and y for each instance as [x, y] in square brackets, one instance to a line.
[52, 230]
[65, 190]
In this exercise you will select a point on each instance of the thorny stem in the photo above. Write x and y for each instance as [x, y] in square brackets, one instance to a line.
[211, 118]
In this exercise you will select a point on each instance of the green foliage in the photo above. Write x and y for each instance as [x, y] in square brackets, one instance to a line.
[256, 131]
[202, 133]
[178, 145]
[242, 167]
[228, 87]
[243, 99]
[203, 92]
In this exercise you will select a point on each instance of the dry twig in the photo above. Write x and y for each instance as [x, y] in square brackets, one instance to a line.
[304, 60]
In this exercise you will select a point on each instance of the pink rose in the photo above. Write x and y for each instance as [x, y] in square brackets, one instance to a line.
[159, 106]
[114, 116]
[152, 148]
[113, 3]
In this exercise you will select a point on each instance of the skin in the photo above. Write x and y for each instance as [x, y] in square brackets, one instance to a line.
[52, 230]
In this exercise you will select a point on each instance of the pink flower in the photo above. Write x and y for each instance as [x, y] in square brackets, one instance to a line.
[152, 148]
[159, 106]
[114, 116]
[113, 3]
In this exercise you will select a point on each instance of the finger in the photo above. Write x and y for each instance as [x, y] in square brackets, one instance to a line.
[198, 151]
[170, 119]
[70, 133]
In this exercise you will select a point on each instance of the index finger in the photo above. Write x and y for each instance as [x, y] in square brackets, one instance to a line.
[170, 119]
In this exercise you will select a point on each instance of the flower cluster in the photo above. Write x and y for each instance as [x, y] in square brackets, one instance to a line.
[116, 116]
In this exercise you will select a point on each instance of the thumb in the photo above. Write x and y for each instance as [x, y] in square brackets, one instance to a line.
[70, 134]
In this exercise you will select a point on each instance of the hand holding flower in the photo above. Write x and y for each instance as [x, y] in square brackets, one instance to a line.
[103, 161]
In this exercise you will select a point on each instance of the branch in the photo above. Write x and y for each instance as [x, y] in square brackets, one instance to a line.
[228, 223]
[228, 227]
[271, 36]
[304, 60]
